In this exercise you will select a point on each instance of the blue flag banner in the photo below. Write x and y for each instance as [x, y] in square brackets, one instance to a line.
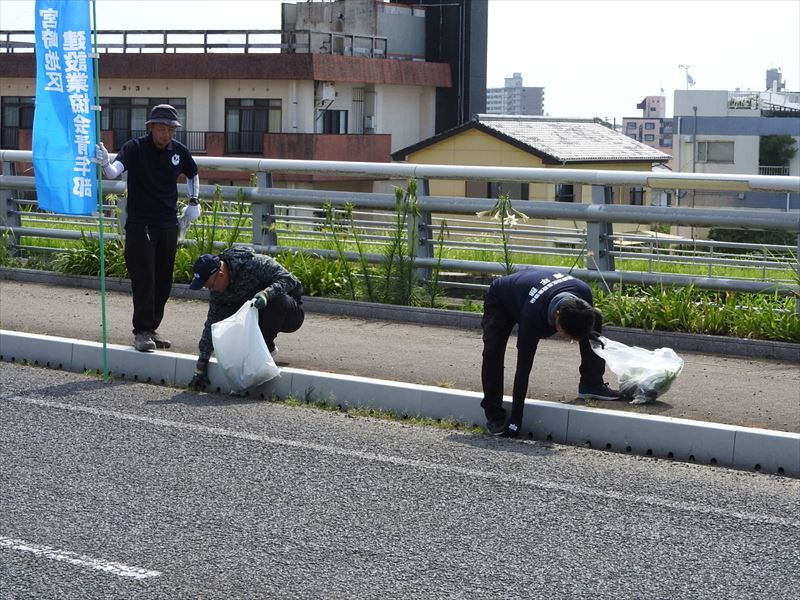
[63, 122]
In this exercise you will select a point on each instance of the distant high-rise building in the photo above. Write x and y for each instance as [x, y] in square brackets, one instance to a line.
[652, 128]
[515, 99]
[775, 82]
[653, 107]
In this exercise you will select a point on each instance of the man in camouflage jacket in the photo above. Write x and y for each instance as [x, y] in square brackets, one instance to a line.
[239, 275]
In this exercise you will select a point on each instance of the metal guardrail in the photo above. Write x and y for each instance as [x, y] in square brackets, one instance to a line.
[293, 219]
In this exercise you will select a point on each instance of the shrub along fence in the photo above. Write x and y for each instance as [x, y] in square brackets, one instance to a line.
[454, 242]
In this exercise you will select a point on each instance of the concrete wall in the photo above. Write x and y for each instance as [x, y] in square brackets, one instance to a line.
[408, 113]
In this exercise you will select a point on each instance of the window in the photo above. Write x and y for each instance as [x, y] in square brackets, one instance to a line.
[715, 152]
[246, 122]
[126, 117]
[649, 125]
[637, 196]
[332, 121]
[17, 113]
[565, 192]
[631, 125]
[649, 137]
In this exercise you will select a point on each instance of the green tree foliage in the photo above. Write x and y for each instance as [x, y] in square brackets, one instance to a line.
[776, 150]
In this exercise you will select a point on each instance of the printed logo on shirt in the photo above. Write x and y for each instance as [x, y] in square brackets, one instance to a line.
[547, 283]
[176, 159]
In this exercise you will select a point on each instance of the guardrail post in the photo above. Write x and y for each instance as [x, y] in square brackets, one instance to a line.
[599, 244]
[8, 216]
[264, 215]
[424, 247]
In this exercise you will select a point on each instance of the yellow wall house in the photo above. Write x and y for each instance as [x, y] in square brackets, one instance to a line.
[541, 142]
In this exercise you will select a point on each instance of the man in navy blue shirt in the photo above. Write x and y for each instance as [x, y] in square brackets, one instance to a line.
[153, 162]
[540, 302]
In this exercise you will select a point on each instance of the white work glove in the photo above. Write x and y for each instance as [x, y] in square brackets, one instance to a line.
[189, 215]
[101, 154]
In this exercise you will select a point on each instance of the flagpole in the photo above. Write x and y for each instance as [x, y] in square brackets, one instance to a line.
[99, 174]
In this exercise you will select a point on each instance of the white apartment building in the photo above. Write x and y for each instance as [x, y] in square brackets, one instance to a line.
[718, 131]
[515, 99]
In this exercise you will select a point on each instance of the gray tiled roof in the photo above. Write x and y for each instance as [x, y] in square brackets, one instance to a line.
[571, 140]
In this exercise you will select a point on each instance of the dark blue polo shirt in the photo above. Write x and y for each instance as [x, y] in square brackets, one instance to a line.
[152, 179]
[526, 296]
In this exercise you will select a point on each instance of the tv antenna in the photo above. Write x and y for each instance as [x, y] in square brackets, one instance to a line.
[689, 80]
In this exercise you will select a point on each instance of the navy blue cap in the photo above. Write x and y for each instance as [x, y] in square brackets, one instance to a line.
[204, 267]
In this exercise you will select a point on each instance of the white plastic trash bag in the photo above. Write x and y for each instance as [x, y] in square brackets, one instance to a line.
[643, 374]
[241, 351]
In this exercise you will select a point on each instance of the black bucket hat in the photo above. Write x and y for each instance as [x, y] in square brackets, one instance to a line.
[164, 113]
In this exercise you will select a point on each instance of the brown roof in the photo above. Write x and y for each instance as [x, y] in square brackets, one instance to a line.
[319, 67]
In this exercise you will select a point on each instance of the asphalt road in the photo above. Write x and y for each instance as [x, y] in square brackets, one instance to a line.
[735, 391]
[128, 490]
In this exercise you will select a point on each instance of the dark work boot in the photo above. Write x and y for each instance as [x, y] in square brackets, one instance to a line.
[143, 342]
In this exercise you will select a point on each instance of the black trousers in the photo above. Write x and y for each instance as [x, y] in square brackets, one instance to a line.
[497, 324]
[281, 314]
[150, 258]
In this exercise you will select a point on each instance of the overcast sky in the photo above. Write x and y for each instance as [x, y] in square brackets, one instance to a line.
[594, 58]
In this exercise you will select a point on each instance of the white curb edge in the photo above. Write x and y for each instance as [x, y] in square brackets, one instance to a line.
[763, 450]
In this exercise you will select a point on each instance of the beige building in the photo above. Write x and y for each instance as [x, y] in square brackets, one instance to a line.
[540, 142]
[331, 85]
[537, 142]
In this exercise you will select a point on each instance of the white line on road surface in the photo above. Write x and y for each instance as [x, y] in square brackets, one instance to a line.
[422, 464]
[80, 560]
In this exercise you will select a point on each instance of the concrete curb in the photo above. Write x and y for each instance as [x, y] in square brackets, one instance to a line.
[681, 342]
[761, 450]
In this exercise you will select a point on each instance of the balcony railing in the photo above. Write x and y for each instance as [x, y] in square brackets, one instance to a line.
[305, 41]
[194, 140]
[744, 100]
[773, 170]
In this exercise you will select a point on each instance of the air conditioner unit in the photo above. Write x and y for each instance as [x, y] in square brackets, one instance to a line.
[327, 91]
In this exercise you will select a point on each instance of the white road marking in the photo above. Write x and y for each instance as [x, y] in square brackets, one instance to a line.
[80, 560]
[564, 488]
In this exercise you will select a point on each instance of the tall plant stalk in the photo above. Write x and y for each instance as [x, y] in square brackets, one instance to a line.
[399, 280]
[363, 263]
[433, 287]
[507, 216]
[339, 245]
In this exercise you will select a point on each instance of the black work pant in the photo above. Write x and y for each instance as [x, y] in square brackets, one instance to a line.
[497, 324]
[281, 314]
[150, 258]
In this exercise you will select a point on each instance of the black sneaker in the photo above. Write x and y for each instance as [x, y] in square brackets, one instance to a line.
[511, 430]
[598, 392]
[496, 426]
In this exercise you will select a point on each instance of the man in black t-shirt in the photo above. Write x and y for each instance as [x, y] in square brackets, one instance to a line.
[541, 302]
[153, 162]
